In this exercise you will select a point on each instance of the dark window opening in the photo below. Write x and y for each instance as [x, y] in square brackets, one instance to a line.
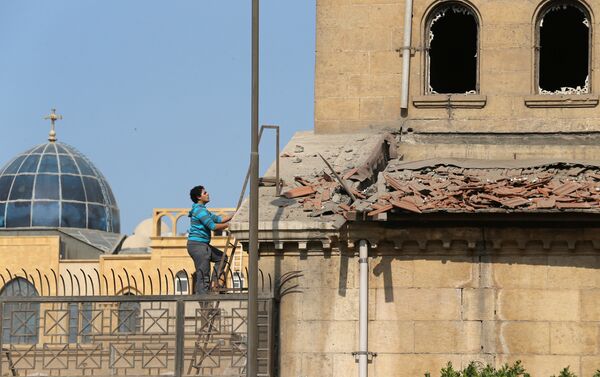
[453, 51]
[564, 36]
[129, 316]
[20, 321]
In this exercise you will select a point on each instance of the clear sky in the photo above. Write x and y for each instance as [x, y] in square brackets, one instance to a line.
[155, 93]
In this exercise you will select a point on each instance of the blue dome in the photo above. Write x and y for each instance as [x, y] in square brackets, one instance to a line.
[53, 185]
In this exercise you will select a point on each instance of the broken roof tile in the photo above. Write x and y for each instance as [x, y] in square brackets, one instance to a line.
[300, 191]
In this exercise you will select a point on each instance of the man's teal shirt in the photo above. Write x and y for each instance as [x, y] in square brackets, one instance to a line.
[202, 222]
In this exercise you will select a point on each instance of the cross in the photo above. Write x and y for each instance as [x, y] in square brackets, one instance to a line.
[53, 118]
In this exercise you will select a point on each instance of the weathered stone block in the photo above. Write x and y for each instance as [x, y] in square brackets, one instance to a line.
[341, 14]
[334, 85]
[454, 272]
[290, 364]
[317, 364]
[391, 336]
[447, 336]
[589, 365]
[318, 303]
[371, 108]
[523, 338]
[333, 272]
[346, 306]
[511, 83]
[331, 38]
[334, 62]
[386, 15]
[413, 365]
[478, 304]
[385, 62]
[384, 85]
[538, 305]
[508, 11]
[324, 336]
[505, 59]
[569, 338]
[390, 271]
[520, 272]
[337, 109]
[418, 304]
[372, 38]
[590, 305]
[571, 271]
[506, 36]
[346, 365]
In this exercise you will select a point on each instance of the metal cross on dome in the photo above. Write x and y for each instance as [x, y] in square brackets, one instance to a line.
[53, 118]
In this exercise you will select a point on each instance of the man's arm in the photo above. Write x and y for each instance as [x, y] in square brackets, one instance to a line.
[226, 218]
[221, 226]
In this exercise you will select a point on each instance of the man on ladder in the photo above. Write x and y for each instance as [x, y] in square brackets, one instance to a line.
[202, 222]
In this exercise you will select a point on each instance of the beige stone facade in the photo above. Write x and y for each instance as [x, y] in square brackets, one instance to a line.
[359, 71]
[446, 294]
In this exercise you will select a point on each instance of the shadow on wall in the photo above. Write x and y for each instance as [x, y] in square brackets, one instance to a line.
[511, 258]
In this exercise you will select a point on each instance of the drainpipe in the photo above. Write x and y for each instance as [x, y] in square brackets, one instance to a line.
[406, 53]
[363, 319]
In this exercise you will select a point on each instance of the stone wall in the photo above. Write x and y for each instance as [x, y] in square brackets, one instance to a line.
[359, 69]
[436, 297]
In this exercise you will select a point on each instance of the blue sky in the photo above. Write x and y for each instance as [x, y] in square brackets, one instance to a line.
[155, 93]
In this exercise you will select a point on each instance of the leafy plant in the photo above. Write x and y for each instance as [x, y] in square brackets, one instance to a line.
[597, 374]
[566, 373]
[476, 369]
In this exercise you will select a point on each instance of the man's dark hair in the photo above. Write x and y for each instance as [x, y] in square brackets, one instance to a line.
[195, 193]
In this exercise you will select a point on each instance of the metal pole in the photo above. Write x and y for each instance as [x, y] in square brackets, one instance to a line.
[406, 53]
[277, 184]
[252, 362]
[180, 332]
[363, 317]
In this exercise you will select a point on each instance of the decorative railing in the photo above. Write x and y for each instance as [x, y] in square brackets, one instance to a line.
[171, 216]
[93, 324]
[131, 335]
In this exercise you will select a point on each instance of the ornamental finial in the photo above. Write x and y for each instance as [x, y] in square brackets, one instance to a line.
[53, 118]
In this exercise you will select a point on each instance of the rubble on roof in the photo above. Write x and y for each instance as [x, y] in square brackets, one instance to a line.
[401, 188]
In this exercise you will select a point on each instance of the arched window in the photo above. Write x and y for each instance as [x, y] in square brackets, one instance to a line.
[452, 35]
[181, 283]
[129, 316]
[20, 321]
[563, 48]
[238, 280]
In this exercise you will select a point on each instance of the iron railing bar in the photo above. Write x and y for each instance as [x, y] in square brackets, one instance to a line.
[134, 298]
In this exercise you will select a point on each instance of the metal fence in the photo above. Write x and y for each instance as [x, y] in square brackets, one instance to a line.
[158, 335]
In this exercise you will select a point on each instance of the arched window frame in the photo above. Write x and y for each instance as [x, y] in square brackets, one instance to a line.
[427, 22]
[182, 283]
[128, 315]
[543, 8]
[28, 327]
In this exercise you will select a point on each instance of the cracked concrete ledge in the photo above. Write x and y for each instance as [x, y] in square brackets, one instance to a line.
[455, 101]
[564, 100]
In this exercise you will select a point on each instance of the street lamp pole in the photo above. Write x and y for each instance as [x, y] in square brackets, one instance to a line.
[252, 355]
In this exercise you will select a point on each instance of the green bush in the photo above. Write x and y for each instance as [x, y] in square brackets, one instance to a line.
[476, 369]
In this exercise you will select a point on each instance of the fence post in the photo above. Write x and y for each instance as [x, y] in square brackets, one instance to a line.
[180, 332]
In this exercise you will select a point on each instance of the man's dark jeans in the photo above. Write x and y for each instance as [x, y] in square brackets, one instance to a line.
[202, 254]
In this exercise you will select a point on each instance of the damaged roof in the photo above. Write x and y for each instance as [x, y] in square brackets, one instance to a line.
[301, 158]
[461, 186]
[367, 181]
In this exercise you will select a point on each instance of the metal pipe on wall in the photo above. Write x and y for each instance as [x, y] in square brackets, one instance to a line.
[406, 53]
[363, 317]
[252, 355]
